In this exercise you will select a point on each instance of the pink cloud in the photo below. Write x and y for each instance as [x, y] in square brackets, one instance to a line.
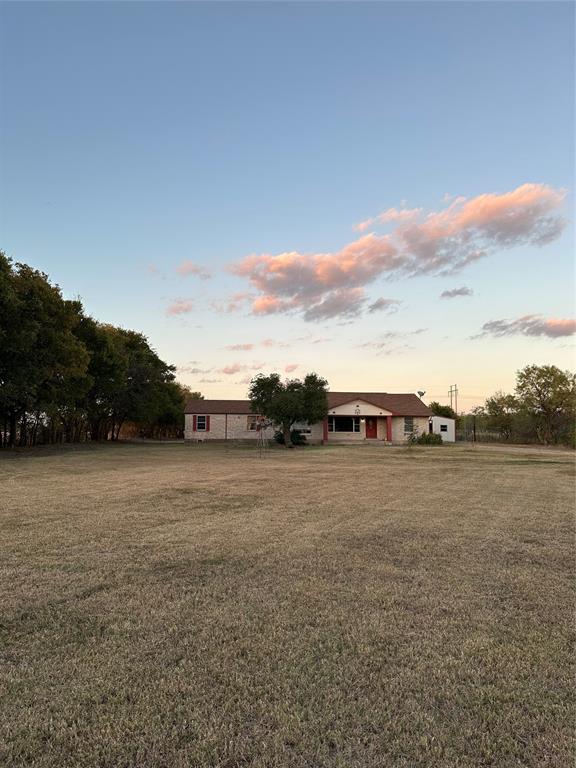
[187, 268]
[331, 284]
[239, 347]
[291, 367]
[179, 307]
[239, 367]
[231, 369]
[390, 215]
[530, 325]
[273, 343]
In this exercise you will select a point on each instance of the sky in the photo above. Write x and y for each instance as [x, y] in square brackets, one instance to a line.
[382, 193]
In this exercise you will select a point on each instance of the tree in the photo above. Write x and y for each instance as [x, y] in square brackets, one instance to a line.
[548, 396]
[442, 410]
[40, 354]
[286, 403]
[501, 410]
[66, 377]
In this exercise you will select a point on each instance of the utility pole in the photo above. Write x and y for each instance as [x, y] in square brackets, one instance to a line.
[453, 391]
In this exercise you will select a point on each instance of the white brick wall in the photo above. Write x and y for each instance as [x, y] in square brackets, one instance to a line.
[398, 434]
[235, 427]
[232, 426]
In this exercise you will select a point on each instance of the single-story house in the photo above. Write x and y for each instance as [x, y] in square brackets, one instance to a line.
[352, 417]
[445, 427]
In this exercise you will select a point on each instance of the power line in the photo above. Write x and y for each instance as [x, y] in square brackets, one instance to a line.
[453, 392]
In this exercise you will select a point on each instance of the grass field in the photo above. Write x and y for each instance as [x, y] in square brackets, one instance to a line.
[356, 607]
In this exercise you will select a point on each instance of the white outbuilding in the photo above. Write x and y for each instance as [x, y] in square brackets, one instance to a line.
[444, 427]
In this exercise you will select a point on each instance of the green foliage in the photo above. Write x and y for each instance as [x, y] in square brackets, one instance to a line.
[296, 437]
[442, 410]
[429, 438]
[66, 377]
[286, 403]
[543, 409]
[548, 396]
[500, 410]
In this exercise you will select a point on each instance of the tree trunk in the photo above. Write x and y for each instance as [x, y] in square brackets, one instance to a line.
[12, 437]
[287, 438]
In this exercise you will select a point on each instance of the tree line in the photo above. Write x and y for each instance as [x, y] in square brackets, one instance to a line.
[65, 377]
[541, 409]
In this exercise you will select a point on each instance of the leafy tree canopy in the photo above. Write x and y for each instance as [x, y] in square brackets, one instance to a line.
[288, 402]
[548, 394]
[442, 410]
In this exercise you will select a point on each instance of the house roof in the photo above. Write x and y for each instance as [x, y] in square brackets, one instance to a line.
[399, 405]
[218, 406]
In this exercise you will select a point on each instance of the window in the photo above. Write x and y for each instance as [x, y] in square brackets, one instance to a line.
[201, 423]
[408, 424]
[343, 424]
[252, 423]
[443, 427]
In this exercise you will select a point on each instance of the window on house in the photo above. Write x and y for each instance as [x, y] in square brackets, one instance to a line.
[408, 424]
[200, 423]
[343, 424]
[443, 427]
[252, 423]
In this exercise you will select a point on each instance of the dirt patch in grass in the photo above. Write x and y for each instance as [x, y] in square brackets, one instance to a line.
[348, 607]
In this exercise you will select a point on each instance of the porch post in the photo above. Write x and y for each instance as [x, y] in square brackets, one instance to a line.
[388, 429]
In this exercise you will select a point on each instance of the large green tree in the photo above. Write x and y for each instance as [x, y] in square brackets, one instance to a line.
[64, 376]
[39, 352]
[548, 395]
[287, 402]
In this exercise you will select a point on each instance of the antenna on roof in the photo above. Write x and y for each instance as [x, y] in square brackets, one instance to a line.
[421, 394]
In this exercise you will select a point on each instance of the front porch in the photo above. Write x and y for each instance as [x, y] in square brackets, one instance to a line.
[343, 428]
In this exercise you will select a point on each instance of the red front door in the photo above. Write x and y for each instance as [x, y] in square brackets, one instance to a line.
[371, 427]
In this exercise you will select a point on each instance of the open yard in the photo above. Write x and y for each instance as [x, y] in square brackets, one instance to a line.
[357, 607]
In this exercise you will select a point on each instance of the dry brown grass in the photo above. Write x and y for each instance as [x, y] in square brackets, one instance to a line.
[354, 607]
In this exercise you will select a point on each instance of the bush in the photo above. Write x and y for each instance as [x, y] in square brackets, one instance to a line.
[429, 438]
[296, 437]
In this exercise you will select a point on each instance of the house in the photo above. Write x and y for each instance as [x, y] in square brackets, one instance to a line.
[352, 417]
[445, 427]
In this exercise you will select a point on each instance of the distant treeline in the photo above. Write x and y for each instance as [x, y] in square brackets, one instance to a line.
[64, 377]
[542, 409]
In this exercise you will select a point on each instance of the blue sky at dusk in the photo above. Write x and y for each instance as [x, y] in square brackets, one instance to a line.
[292, 187]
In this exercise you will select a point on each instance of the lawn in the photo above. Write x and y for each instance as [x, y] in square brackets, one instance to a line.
[359, 607]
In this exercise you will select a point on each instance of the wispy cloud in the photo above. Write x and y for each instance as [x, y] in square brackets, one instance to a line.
[384, 305]
[267, 343]
[239, 347]
[291, 367]
[332, 284]
[192, 369]
[180, 307]
[390, 215]
[229, 370]
[274, 343]
[453, 293]
[187, 268]
[390, 338]
[529, 325]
